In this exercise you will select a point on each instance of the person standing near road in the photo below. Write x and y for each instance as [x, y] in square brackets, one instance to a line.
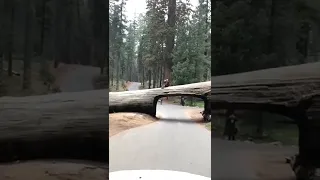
[166, 84]
[231, 129]
[182, 101]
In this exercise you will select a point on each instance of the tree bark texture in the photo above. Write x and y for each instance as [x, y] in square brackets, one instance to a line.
[63, 125]
[276, 90]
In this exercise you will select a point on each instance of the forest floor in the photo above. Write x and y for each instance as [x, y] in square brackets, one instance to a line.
[13, 84]
[119, 122]
[123, 85]
[194, 114]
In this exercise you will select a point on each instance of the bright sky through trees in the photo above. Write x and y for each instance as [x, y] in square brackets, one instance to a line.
[139, 6]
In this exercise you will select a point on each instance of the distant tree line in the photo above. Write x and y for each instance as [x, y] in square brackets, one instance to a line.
[63, 31]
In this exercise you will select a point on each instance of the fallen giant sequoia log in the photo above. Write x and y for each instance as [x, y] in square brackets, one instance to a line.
[64, 125]
[276, 90]
[144, 101]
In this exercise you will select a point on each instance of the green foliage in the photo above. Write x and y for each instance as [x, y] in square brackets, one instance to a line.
[139, 47]
[190, 58]
[250, 35]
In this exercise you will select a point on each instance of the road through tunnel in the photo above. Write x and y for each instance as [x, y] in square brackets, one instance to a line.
[181, 107]
[145, 101]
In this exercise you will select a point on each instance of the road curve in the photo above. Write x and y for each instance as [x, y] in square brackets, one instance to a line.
[134, 86]
[171, 144]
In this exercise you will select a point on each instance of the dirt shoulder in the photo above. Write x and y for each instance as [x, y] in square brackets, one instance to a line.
[119, 122]
[51, 170]
[195, 114]
[271, 166]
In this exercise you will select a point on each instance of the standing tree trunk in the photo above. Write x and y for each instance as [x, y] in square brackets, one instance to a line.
[43, 22]
[154, 82]
[130, 72]
[9, 33]
[143, 80]
[57, 29]
[271, 26]
[160, 75]
[68, 26]
[118, 70]
[28, 44]
[111, 64]
[1, 44]
[170, 38]
[118, 60]
[149, 78]
[260, 124]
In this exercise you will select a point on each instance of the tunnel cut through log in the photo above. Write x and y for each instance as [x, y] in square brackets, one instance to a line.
[202, 97]
[144, 101]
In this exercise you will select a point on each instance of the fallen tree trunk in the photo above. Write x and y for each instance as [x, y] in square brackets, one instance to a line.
[276, 90]
[273, 90]
[64, 125]
[144, 101]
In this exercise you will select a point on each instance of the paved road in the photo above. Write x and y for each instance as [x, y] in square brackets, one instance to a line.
[79, 79]
[170, 144]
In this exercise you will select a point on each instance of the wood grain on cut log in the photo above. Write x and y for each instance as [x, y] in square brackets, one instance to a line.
[64, 125]
[144, 101]
[276, 89]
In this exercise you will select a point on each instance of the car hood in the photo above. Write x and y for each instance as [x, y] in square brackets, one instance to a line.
[154, 175]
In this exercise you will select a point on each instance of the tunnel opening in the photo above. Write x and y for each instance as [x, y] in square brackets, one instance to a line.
[180, 107]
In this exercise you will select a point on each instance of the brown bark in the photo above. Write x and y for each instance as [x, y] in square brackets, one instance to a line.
[1, 45]
[64, 125]
[28, 44]
[9, 42]
[57, 32]
[43, 23]
[170, 39]
[149, 79]
[271, 26]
